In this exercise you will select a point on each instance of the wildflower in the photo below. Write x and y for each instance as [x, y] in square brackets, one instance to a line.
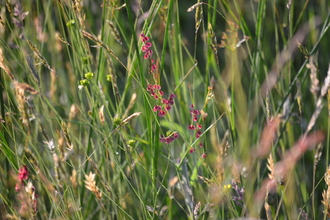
[84, 82]
[192, 150]
[23, 173]
[168, 107]
[191, 127]
[171, 137]
[198, 133]
[161, 113]
[203, 155]
[157, 108]
[240, 194]
[89, 75]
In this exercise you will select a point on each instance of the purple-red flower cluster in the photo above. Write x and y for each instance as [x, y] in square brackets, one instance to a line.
[168, 139]
[148, 52]
[23, 173]
[164, 105]
[156, 92]
[194, 125]
[26, 193]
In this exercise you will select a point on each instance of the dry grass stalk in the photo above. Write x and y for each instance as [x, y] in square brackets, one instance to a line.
[90, 184]
[38, 54]
[328, 98]
[101, 44]
[299, 96]
[315, 88]
[73, 178]
[59, 37]
[77, 6]
[115, 32]
[326, 84]
[315, 115]
[53, 86]
[214, 43]
[194, 6]
[319, 105]
[129, 118]
[267, 105]
[270, 166]
[41, 36]
[326, 194]
[51, 146]
[198, 205]
[8, 5]
[268, 136]
[5, 67]
[32, 68]
[268, 210]
[20, 97]
[103, 181]
[25, 87]
[66, 135]
[101, 114]
[198, 16]
[113, 78]
[73, 111]
[130, 105]
[293, 155]
[69, 149]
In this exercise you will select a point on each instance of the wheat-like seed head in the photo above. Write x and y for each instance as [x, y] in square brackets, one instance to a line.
[326, 194]
[270, 167]
[90, 184]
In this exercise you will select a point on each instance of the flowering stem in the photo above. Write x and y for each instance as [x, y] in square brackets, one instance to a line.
[197, 140]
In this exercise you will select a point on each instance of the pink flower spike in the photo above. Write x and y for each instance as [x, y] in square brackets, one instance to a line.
[172, 96]
[161, 93]
[168, 107]
[199, 126]
[23, 173]
[165, 101]
[152, 60]
[148, 44]
[156, 96]
[195, 118]
[203, 155]
[191, 127]
[146, 56]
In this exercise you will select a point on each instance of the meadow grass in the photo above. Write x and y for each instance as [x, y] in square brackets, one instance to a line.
[164, 109]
